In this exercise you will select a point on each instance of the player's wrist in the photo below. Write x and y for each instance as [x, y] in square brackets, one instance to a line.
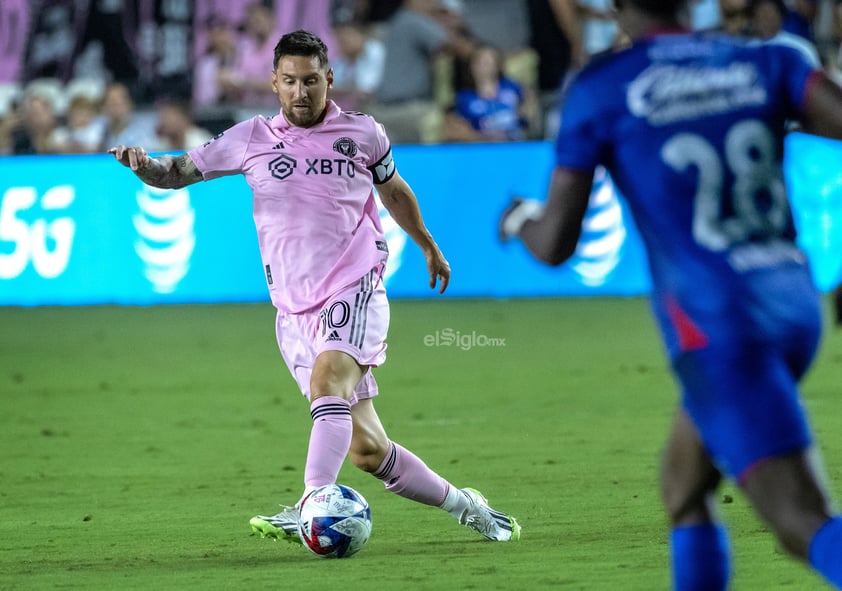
[517, 214]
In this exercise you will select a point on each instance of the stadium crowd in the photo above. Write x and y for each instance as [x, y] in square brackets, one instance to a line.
[77, 76]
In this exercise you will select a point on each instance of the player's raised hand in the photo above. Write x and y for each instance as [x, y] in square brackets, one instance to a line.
[134, 157]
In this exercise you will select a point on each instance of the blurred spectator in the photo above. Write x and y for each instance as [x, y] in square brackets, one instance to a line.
[556, 37]
[210, 12]
[599, 29]
[84, 131]
[122, 124]
[248, 81]
[65, 35]
[735, 17]
[767, 18]
[502, 22]
[91, 88]
[379, 11]
[9, 96]
[55, 33]
[110, 24]
[310, 15]
[406, 101]
[7, 126]
[176, 127]
[10, 93]
[220, 55]
[452, 68]
[492, 107]
[50, 89]
[14, 27]
[358, 67]
[705, 15]
[450, 14]
[35, 131]
[349, 11]
[557, 41]
[163, 42]
[799, 18]
[414, 36]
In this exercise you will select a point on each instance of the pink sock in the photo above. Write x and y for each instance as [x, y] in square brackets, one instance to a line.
[406, 475]
[330, 440]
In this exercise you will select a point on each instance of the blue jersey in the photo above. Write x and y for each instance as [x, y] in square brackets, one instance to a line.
[497, 115]
[691, 127]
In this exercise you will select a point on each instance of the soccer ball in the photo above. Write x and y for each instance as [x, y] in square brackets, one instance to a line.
[335, 521]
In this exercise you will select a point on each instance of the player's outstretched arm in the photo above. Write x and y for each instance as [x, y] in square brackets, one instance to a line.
[397, 197]
[164, 172]
[550, 232]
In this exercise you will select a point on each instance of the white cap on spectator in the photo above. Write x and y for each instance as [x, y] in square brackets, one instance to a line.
[10, 92]
[50, 89]
[90, 88]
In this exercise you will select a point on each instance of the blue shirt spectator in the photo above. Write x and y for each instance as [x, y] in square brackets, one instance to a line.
[497, 116]
[490, 102]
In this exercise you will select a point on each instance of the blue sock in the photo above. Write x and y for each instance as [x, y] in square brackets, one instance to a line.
[700, 558]
[826, 551]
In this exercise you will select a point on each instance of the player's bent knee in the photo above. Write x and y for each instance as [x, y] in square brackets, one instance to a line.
[326, 391]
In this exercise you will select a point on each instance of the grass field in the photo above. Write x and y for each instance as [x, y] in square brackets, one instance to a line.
[135, 444]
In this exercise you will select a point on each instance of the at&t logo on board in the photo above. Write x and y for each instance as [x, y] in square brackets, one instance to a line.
[603, 233]
[166, 237]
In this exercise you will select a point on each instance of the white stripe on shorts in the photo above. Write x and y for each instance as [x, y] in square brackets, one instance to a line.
[359, 320]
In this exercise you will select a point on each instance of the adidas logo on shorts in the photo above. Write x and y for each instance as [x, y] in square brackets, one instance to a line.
[334, 336]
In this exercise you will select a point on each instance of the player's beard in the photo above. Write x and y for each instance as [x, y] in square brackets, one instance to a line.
[301, 118]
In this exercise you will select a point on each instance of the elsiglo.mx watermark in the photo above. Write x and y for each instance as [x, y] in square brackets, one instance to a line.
[448, 337]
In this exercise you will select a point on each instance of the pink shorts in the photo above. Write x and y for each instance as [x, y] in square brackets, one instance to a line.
[355, 320]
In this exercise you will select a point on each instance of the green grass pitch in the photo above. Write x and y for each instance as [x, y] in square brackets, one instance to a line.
[135, 444]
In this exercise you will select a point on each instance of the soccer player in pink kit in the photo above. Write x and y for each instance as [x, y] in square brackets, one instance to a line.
[312, 169]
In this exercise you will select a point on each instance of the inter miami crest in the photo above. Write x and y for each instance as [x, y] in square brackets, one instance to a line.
[345, 146]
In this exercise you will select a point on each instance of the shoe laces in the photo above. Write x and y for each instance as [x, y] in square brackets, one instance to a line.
[478, 518]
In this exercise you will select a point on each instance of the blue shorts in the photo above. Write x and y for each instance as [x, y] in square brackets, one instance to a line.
[744, 400]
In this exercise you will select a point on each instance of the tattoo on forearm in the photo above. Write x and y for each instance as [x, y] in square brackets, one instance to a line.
[167, 172]
[184, 164]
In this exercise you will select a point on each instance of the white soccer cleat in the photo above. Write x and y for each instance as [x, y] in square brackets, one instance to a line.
[481, 518]
[282, 526]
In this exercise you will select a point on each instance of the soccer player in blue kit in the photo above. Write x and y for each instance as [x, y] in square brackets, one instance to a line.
[691, 127]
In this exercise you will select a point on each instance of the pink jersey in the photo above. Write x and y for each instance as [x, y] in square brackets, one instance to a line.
[313, 199]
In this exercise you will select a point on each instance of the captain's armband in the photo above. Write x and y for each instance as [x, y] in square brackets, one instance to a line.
[383, 169]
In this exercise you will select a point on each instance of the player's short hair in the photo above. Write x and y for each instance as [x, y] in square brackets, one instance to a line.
[300, 43]
[660, 8]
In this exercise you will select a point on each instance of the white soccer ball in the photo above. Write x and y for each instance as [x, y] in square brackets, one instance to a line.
[335, 521]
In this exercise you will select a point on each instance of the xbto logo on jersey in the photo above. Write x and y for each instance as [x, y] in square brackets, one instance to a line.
[336, 166]
[283, 166]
